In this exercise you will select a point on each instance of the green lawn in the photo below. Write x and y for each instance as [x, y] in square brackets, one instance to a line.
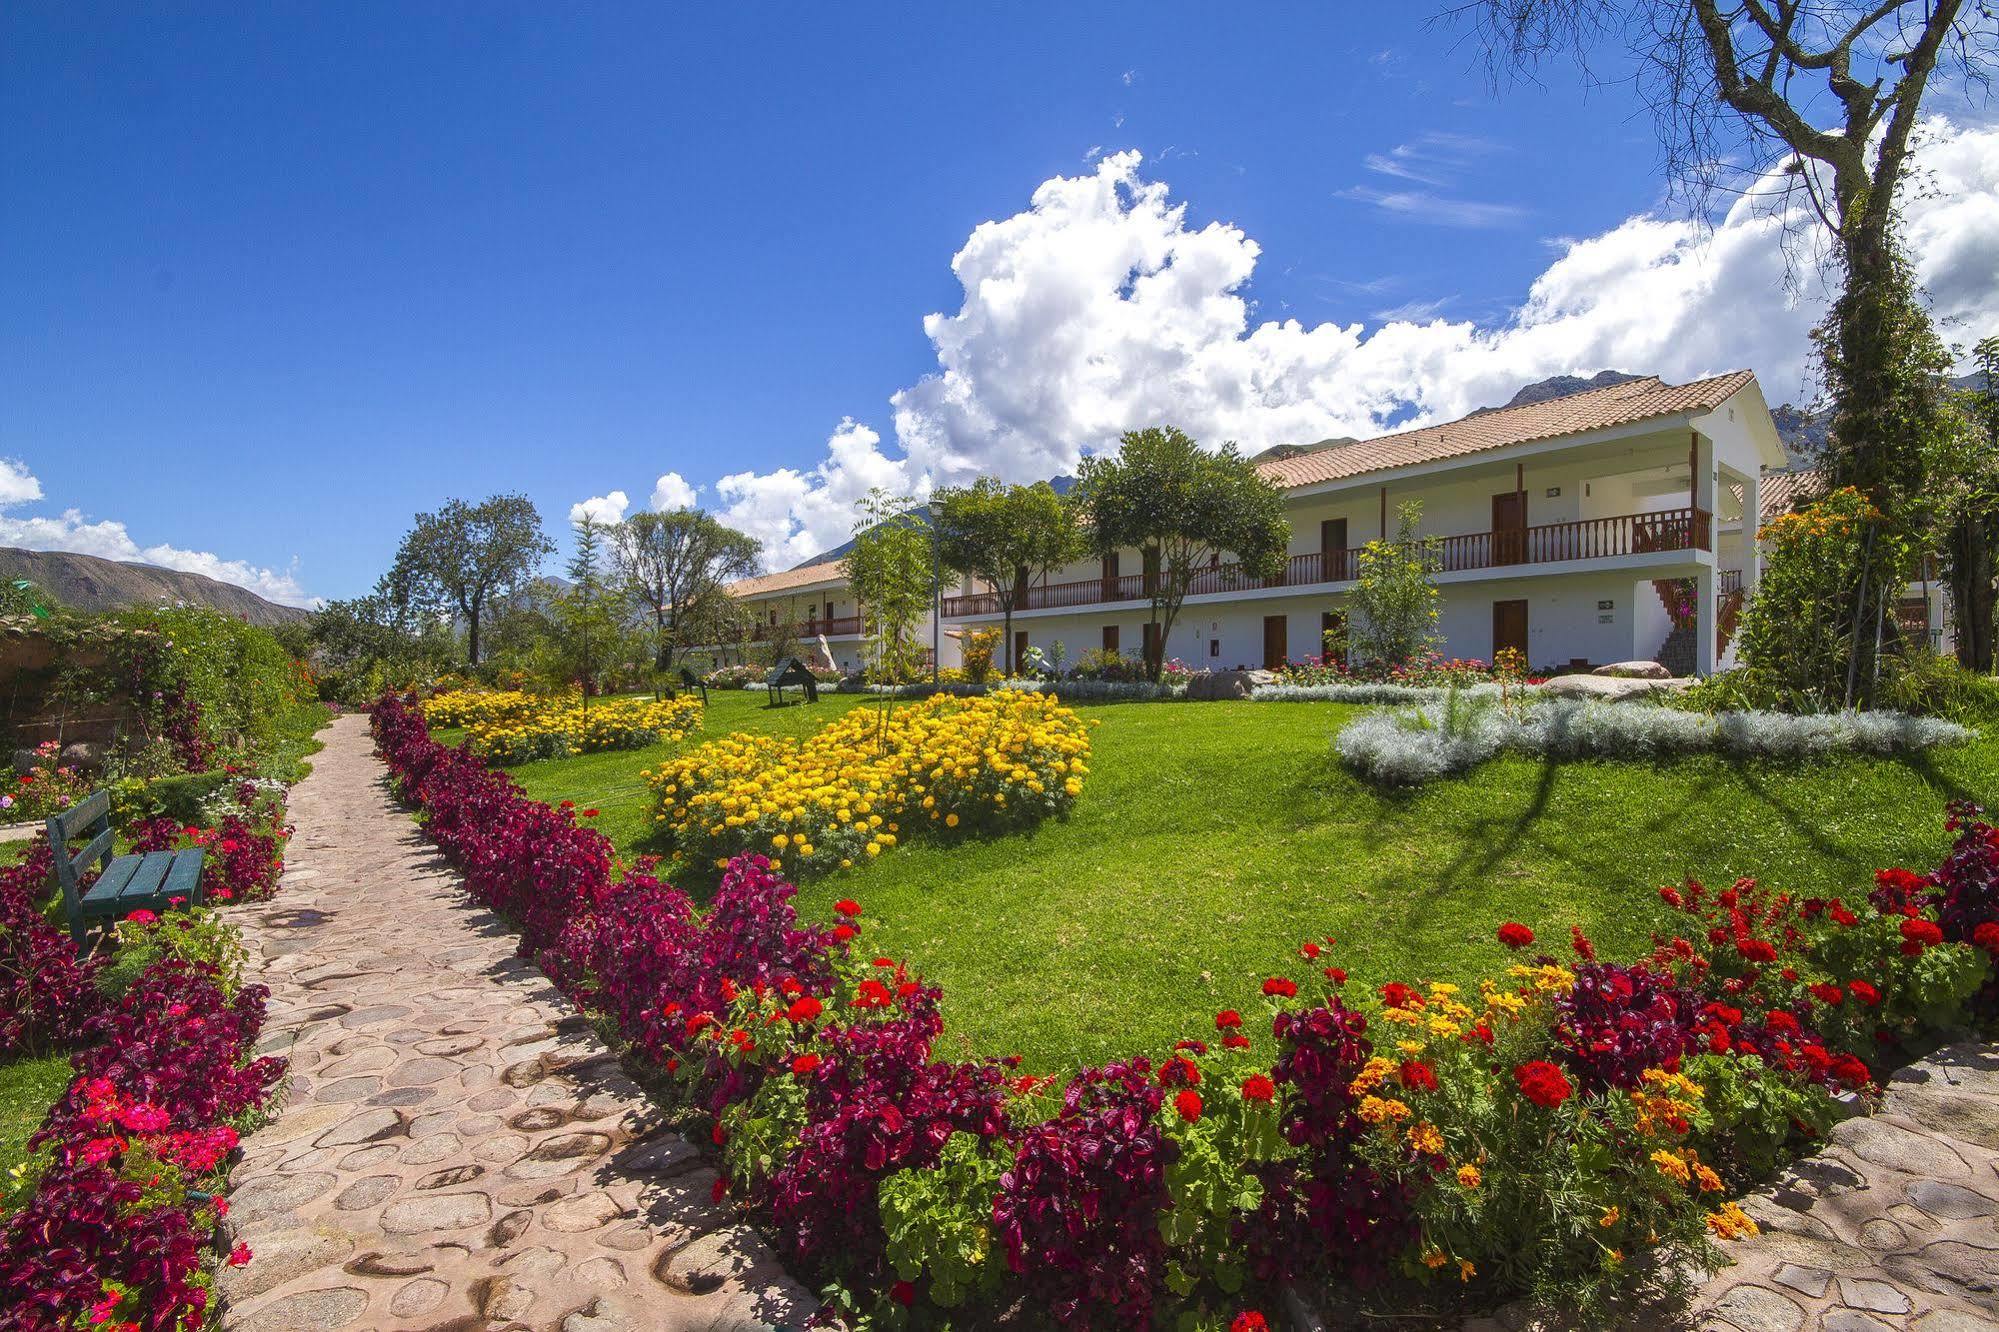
[1211, 838]
[28, 1087]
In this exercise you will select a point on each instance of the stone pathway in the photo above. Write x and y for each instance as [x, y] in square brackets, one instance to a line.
[1895, 1225]
[457, 1150]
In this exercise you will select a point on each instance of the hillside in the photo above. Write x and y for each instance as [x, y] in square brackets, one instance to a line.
[87, 583]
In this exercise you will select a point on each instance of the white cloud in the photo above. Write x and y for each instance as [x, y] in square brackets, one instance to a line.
[672, 492]
[602, 509]
[71, 531]
[798, 514]
[1098, 308]
[17, 484]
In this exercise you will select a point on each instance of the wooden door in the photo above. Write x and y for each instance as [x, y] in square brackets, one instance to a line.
[1509, 528]
[1276, 640]
[1153, 651]
[1333, 622]
[1110, 577]
[1509, 626]
[1110, 638]
[1019, 649]
[1333, 550]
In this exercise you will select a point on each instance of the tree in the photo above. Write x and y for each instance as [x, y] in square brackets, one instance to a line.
[1742, 86]
[1004, 535]
[464, 555]
[676, 565]
[584, 611]
[1182, 508]
[1392, 610]
[1971, 545]
[891, 570]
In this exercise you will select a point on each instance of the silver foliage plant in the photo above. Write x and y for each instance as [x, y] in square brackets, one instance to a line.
[1410, 746]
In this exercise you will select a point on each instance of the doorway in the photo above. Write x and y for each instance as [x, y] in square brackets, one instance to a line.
[1276, 640]
[1509, 627]
[1509, 528]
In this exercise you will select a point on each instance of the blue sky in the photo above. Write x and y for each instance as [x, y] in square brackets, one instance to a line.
[272, 281]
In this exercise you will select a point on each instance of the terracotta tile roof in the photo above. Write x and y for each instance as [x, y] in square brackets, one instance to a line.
[1596, 409]
[1780, 492]
[786, 579]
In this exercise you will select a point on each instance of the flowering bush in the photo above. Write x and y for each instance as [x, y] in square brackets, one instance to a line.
[114, 1225]
[49, 787]
[1431, 670]
[512, 726]
[846, 793]
[1531, 1134]
[47, 993]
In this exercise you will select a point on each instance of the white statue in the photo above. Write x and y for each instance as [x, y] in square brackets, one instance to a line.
[826, 655]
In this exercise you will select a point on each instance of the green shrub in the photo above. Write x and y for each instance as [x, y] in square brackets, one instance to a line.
[195, 935]
[1936, 686]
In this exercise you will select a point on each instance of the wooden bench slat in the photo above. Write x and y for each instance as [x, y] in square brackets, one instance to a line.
[104, 893]
[64, 827]
[145, 881]
[184, 876]
[93, 851]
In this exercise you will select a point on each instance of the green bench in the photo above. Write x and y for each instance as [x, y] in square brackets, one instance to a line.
[81, 835]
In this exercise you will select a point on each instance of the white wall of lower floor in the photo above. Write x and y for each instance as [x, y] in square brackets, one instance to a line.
[1590, 617]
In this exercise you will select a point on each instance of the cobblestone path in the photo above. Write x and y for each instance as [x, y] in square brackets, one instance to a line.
[1894, 1226]
[458, 1150]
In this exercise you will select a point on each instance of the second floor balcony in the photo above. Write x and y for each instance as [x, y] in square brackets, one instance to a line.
[808, 629]
[1551, 543]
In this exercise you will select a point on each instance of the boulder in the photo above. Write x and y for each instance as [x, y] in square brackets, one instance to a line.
[1228, 684]
[1610, 687]
[24, 762]
[86, 756]
[1634, 670]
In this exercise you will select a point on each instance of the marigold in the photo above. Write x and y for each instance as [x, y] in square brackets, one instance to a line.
[1468, 1176]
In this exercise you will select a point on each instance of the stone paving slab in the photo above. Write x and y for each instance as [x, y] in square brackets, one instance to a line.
[1894, 1225]
[457, 1149]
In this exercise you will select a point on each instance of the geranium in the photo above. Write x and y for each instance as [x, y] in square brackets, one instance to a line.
[1188, 1105]
[1542, 1083]
[1227, 1020]
[1257, 1087]
[1280, 987]
[1515, 935]
[1920, 934]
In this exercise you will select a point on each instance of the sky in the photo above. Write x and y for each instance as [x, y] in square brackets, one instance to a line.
[275, 279]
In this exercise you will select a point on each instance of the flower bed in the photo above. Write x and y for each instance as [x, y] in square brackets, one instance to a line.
[1070, 691]
[1457, 733]
[113, 1220]
[1533, 1134]
[848, 792]
[510, 726]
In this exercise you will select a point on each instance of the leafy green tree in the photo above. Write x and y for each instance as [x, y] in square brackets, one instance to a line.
[891, 570]
[1393, 607]
[464, 555]
[1005, 535]
[586, 611]
[1971, 543]
[361, 647]
[677, 565]
[1182, 507]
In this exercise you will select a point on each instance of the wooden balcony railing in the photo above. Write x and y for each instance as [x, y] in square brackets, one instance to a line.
[845, 624]
[1588, 539]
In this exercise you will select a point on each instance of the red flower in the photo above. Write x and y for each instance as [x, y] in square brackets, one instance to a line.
[1542, 1083]
[1257, 1087]
[1920, 934]
[1841, 915]
[804, 1064]
[1829, 995]
[1227, 1019]
[871, 993]
[843, 931]
[1235, 1040]
[903, 1293]
[239, 1255]
[1986, 936]
[1337, 975]
[1756, 950]
[721, 1189]
[804, 1010]
[1515, 935]
[1671, 897]
[1179, 1070]
[1779, 1020]
[1417, 1076]
[1188, 1104]
[589, 813]
[1308, 950]
[1281, 986]
[1864, 992]
[1397, 995]
[142, 917]
[847, 906]
[884, 962]
[1249, 1320]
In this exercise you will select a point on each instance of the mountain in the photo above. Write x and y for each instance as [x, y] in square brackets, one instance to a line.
[88, 583]
[1805, 431]
[1560, 386]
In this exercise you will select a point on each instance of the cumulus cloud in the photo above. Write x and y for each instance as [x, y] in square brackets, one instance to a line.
[672, 492]
[72, 531]
[601, 509]
[1098, 308]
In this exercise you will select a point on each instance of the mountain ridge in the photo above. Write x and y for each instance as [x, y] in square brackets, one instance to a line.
[93, 583]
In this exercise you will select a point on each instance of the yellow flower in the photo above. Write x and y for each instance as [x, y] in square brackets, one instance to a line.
[1377, 1110]
[1671, 1166]
[1609, 1217]
[1468, 1176]
[1731, 1223]
[1425, 1139]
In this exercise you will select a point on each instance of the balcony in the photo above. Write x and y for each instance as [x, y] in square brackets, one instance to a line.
[1587, 539]
[845, 624]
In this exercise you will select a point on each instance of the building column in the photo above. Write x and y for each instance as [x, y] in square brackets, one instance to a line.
[1752, 523]
[1706, 618]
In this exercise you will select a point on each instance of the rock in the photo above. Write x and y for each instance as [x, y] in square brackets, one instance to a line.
[1608, 687]
[436, 1211]
[307, 1311]
[1634, 670]
[86, 756]
[1217, 685]
[1758, 1309]
[24, 762]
